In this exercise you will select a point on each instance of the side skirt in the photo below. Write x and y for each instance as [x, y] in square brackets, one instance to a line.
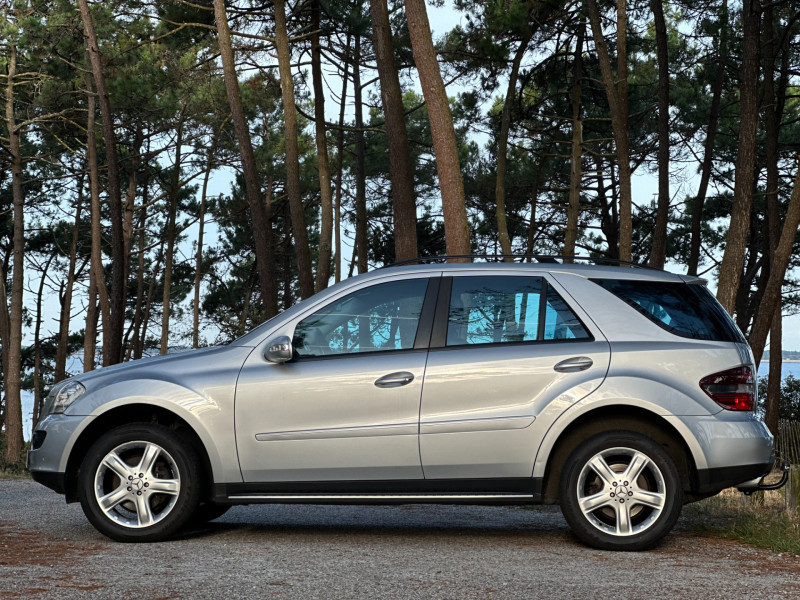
[443, 491]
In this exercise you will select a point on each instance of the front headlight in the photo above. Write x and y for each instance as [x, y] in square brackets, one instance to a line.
[66, 396]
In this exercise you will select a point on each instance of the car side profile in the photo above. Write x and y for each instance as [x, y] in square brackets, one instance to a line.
[619, 393]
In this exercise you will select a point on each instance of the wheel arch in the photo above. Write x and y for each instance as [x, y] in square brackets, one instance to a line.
[133, 413]
[617, 417]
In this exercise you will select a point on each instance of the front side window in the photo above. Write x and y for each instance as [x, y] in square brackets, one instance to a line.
[378, 318]
[492, 310]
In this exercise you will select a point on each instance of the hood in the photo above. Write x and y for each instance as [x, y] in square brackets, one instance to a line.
[124, 370]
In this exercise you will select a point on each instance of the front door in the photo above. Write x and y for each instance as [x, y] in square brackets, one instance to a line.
[346, 408]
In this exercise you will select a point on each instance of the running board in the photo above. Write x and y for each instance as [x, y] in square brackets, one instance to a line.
[454, 498]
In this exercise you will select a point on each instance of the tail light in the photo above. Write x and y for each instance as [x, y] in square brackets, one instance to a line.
[734, 389]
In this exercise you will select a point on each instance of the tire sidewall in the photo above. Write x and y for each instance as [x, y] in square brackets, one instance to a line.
[583, 528]
[174, 442]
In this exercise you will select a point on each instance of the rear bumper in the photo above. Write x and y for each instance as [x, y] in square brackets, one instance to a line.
[729, 448]
[711, 481]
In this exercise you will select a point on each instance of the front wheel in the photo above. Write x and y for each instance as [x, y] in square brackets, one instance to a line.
[140, 482]
[620, 490]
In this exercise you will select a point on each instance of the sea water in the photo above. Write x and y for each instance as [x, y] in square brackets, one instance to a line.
[787, 368]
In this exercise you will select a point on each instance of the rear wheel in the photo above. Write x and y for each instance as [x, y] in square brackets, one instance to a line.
[620, 490]
[140, 482]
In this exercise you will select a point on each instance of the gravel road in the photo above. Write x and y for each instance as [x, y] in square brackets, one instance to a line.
[49, 550]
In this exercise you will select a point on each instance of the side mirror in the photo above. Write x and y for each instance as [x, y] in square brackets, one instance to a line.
[279, 350]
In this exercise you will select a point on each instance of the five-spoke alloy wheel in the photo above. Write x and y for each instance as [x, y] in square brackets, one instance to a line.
[620, 491]
[140, 482]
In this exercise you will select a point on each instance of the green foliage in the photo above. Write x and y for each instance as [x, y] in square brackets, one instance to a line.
[762, 522]
[789, 401]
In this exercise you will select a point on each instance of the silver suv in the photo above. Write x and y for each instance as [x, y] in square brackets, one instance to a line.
[618, 393]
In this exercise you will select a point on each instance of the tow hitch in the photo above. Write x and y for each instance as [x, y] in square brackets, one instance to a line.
[785, 468]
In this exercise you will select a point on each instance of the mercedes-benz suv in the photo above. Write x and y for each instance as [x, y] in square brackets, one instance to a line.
[618, 393]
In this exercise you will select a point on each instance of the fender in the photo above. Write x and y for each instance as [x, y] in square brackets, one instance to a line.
[216, 412]
[609, 395]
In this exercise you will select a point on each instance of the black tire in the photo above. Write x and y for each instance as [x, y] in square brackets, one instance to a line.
[149, 480]
[633, 504]
[208, 511]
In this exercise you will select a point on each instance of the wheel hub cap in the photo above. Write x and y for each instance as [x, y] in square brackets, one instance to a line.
[621, 491]
[137, 484]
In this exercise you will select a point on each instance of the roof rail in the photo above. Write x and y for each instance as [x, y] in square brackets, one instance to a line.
[539, 258]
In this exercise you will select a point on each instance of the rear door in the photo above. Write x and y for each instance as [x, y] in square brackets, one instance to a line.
[504, 348]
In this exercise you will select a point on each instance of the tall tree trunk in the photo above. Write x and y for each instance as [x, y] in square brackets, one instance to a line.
[301, 248]
[337, 216]
[11, 315]
[617, 94]
[771, 408]
[90, 331]
[730, 270]
[711, 134]
[37, 347]
[533, 230]
[609, 223]
[287, 261]
[198, 257]
[773, 113]
[576, 174]
[325, 192]
[138, 307]
[198, 272]
[400, 169]
[360, 247]
[140, 300]
[777, 271]
[130, 199]
[263, 251]
[112, 347]
[172, 213]
[444, 136]
[96, 260]
[138, 352]
[66, 297]
[659, 251]
[502, 150]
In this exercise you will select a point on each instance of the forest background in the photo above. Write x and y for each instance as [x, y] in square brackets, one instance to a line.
[173, 173]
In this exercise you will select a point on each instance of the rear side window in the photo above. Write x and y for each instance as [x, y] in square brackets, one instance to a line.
[687, 310]
[496, 310]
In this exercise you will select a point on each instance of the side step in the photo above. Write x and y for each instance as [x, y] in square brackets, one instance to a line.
[454, 498]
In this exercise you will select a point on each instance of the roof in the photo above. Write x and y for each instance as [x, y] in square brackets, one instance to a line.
[582, 270]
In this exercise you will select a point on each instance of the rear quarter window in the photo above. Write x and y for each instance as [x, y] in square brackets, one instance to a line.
[686, 310]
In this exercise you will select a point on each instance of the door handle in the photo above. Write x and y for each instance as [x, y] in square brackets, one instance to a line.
[398, 379]
[574, 364]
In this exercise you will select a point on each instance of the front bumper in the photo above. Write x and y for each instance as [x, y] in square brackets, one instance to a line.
[55, 481]
[55, 437]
